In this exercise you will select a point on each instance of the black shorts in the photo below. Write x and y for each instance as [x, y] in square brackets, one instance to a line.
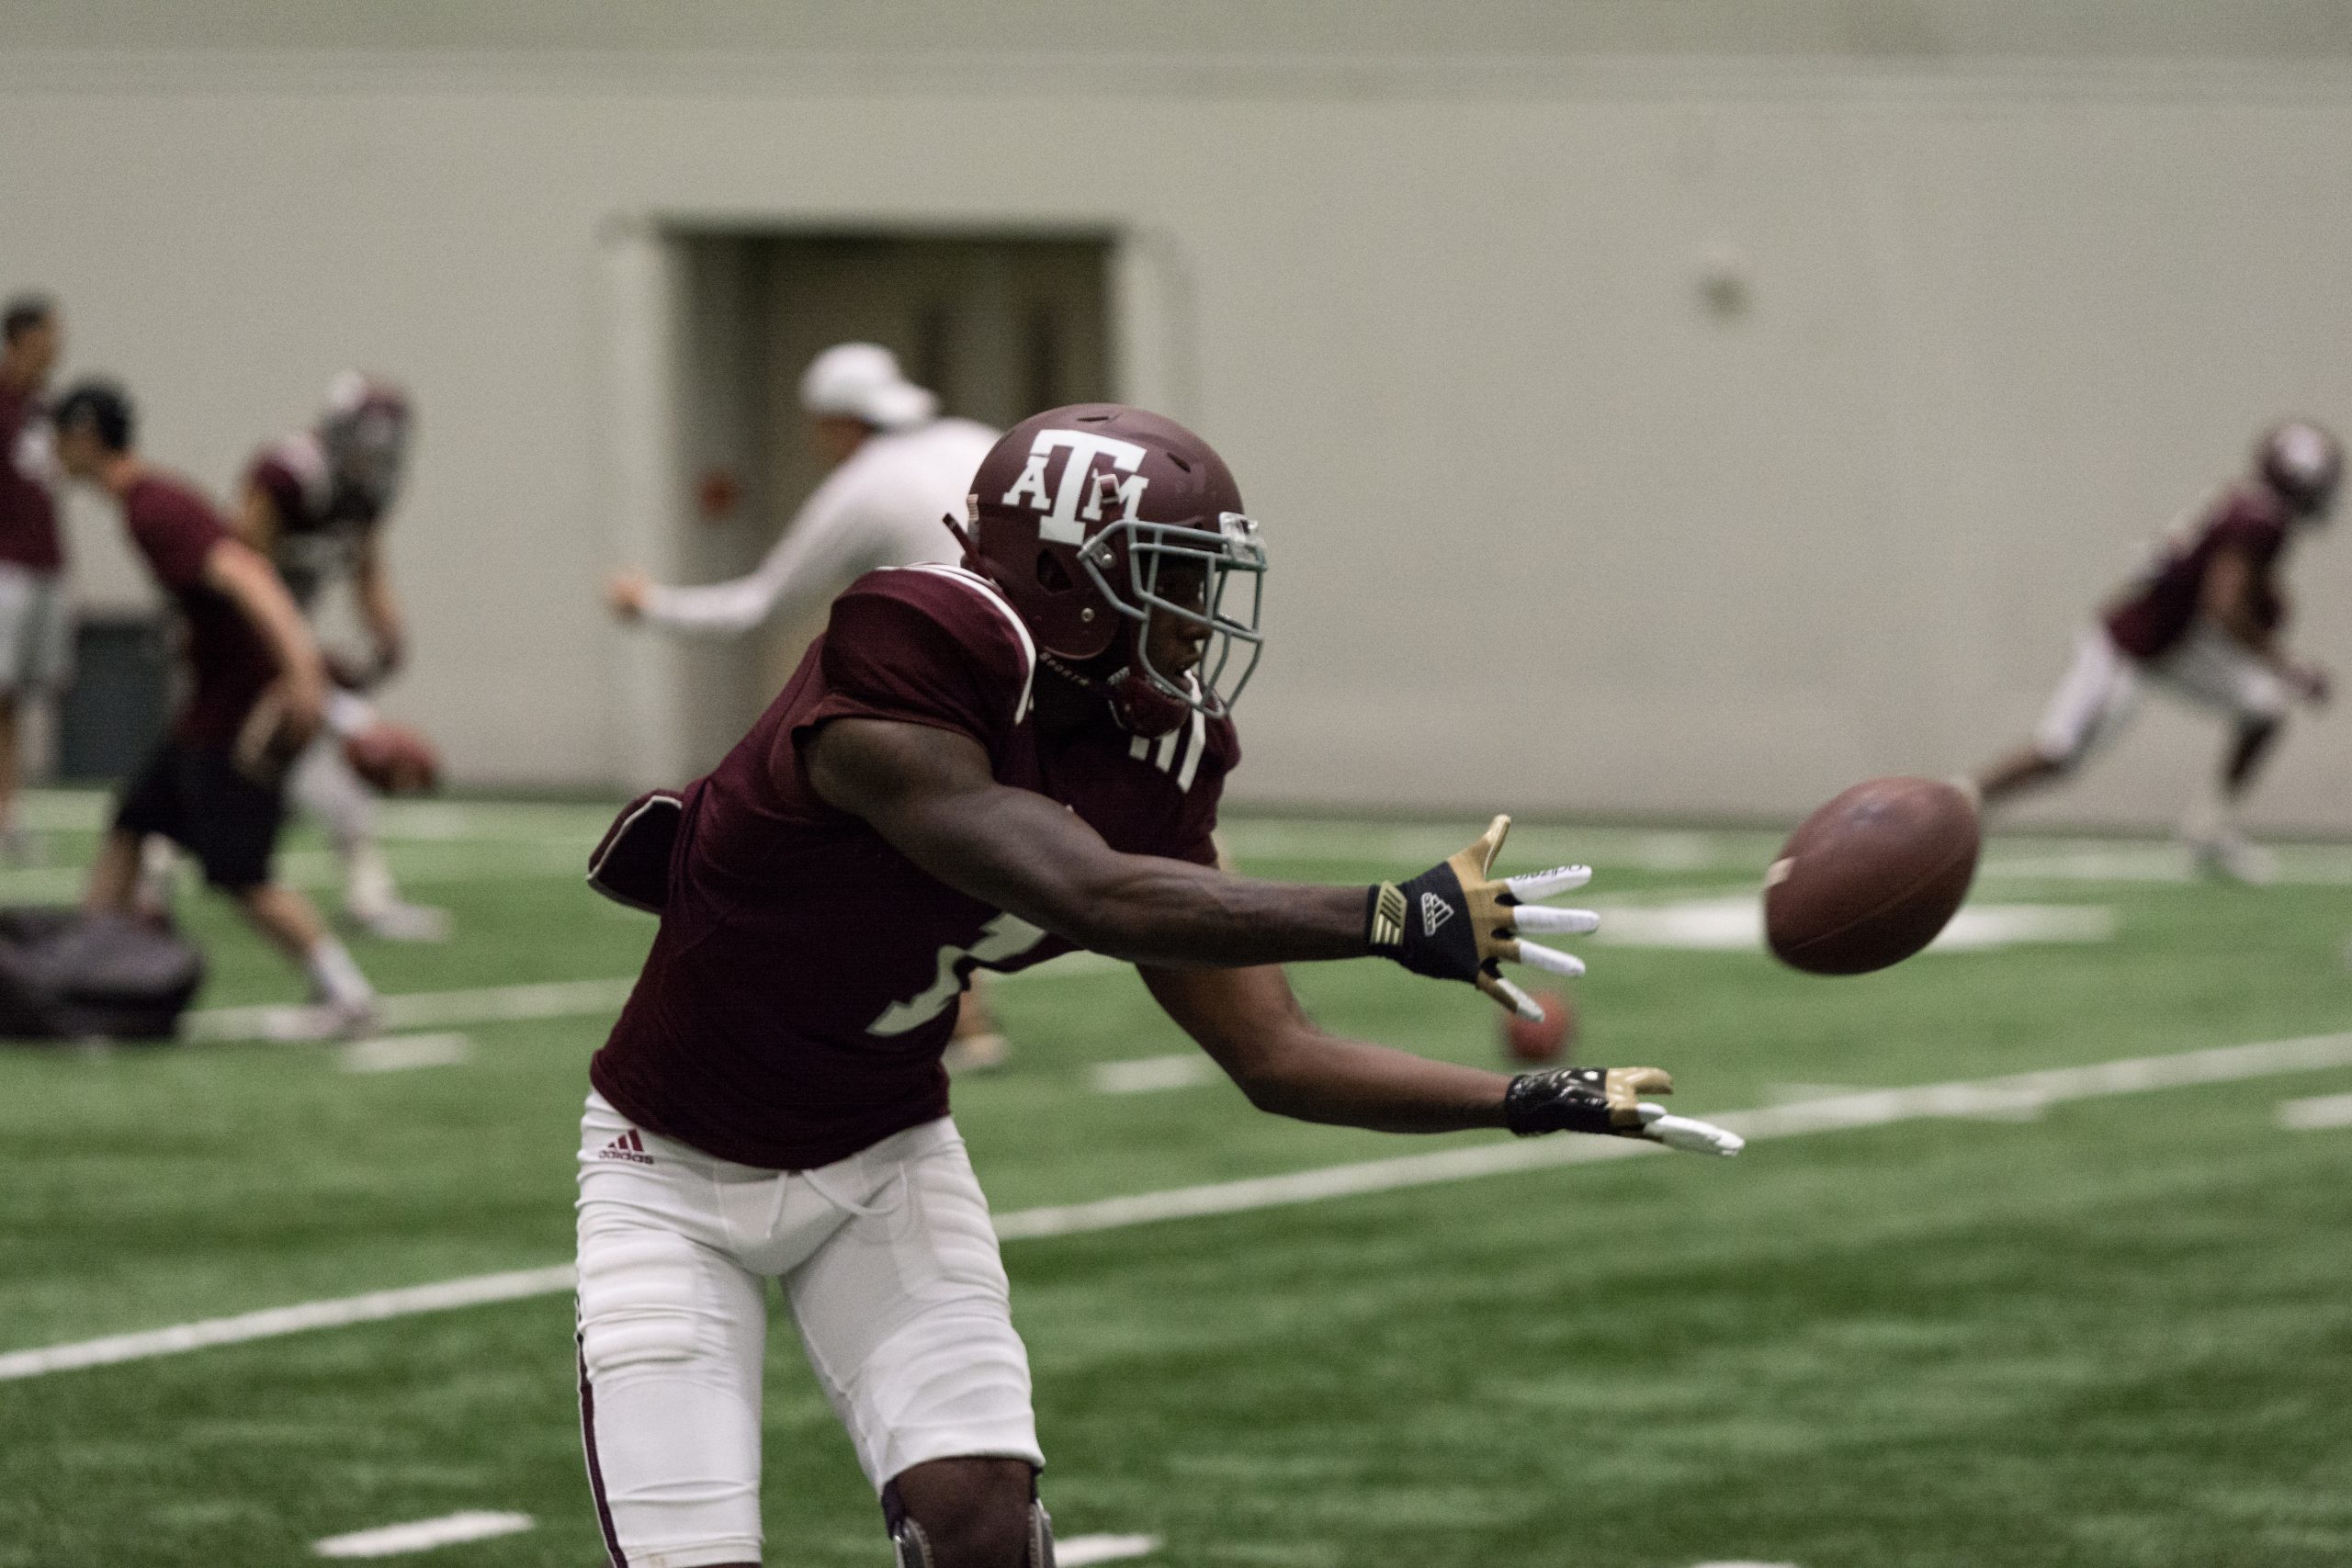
[198, 797]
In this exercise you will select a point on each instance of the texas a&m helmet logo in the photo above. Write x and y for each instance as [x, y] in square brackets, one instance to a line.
[1085, 490]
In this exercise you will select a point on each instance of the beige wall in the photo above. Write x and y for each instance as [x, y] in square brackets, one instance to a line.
[1550, 531]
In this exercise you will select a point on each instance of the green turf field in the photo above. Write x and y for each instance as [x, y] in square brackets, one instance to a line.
[2108, 1331]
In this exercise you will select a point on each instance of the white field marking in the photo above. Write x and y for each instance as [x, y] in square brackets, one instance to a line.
[1867, 1108]
[2317, 1114]
[390, 1540]
[1744, 1562]
[376, 1305]
[316, 870]
[398, 1052]
[519, 1004]
[2304, 865]
[1991, 1104]
[1080, 1550]
[1145, 1074]
[1872, 1107]
[430, 1010]
[1737, 925]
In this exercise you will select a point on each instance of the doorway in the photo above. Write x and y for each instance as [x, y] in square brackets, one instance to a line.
[998, 326]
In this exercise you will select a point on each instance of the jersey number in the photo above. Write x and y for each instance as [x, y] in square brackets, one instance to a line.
[1007, 936]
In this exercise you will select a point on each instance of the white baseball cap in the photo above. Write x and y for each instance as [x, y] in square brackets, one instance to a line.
[862, 381]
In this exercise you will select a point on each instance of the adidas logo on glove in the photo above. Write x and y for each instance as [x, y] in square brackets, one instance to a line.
[1435, 912]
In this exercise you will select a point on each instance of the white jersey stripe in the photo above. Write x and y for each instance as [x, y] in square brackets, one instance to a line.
[988, 592]
[1198, 743]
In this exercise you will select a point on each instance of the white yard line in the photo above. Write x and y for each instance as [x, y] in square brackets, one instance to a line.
[398, 1052]
[369, 1308]
[1080, 1550]
[432, 1009]
[2010, 1095]
[423, 1534]
[2317, 1114]
[515, 1004]
[1146, 1075]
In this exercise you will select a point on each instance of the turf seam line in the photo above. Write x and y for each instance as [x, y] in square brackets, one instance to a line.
[1842, 1113]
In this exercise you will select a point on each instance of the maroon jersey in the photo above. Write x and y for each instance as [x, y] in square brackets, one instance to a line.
[321, 524]
[28, 509]
[228, 664]
[805, 978]
[2153, 615]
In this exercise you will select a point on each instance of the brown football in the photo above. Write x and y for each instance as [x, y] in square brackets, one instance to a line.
[394, 758]
[1871, 877]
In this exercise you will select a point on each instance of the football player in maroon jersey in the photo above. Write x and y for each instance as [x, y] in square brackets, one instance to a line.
[316, 504]
[894, 462]
[2202, 623]
[36, 627]
[257, 692]
[976, 766]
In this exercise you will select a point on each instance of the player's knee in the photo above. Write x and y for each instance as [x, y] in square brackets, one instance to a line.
[636, 1302]
[967, 1512]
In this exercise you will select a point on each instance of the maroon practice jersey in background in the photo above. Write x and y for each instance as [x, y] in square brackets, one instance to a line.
[176, 528]
[28, 510]
[2157, 612]
[805, 978]
[320, 524]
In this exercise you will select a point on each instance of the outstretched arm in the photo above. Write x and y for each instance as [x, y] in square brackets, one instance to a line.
[1251, 1024]
[931, 794]
[815, 557]
[1250, 1020]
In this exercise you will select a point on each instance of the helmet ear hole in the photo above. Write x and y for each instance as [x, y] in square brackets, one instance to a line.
[1051, 575]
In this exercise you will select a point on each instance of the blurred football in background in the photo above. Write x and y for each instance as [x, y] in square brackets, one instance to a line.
[1870, 878]
[1538, 1043]
[393, 758]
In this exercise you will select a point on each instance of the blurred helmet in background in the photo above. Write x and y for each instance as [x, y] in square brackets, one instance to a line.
[364, 429]
[2302, 462]
[1094, 518]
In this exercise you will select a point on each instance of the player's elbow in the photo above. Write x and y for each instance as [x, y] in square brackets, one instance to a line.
[1270, 1075]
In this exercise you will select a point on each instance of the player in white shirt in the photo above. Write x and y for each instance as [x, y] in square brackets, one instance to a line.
[899, 468]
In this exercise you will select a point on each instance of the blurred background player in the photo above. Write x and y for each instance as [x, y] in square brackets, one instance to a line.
[2203, 622]
[257, 692]
[316, 503]
[896, 467]
[36, 638]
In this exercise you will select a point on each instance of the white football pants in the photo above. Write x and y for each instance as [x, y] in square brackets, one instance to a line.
[2207, 670]
[890, 1265]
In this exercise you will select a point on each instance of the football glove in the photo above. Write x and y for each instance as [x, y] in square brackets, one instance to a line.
[1609, 1100]
[1453, 923]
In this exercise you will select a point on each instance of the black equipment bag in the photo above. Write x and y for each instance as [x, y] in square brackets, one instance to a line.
[68, 975]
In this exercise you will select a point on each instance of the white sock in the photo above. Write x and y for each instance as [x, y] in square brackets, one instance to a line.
[335, 977]
[367, 885]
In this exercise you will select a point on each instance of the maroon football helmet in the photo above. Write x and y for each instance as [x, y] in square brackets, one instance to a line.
[364, 429]
[2302, 463]
[1094, 518]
